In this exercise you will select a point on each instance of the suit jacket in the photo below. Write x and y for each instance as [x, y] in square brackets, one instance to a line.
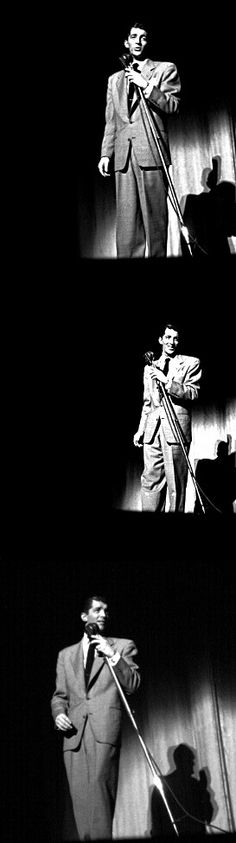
[120, 129]
[186, 374]
[101, 702]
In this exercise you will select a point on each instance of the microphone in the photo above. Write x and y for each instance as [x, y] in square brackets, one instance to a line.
[126, 59]
[91, 629]
[149, 357]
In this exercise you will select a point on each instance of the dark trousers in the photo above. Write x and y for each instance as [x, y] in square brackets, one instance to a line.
[142, 214]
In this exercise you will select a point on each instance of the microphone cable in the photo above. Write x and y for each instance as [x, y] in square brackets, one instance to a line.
[185, 811]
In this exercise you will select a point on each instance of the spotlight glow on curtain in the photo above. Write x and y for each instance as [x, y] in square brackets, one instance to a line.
[187, 705]
[209, 426]
[195, 140]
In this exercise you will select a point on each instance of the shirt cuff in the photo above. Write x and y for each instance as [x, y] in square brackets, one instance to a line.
[114, 659]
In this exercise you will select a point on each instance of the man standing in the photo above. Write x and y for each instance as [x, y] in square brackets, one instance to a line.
[141, 188]
[87, 707]
[165, 466]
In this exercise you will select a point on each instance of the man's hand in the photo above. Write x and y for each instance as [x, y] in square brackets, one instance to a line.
[103, 646]
[103, 166]
[136, 77]
[157, 374]
[63, 722]
[138, 440]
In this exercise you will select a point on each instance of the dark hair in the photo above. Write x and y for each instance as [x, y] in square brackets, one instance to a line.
[87, 602]
[172, 326]
[138, 25]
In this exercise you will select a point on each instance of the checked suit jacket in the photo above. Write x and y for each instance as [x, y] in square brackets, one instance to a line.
[122, 129]
[101, 702]
[186, 375]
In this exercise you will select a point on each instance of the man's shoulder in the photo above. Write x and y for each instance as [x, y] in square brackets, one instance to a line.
[70, 649]
[122, 643]
[114, 77]
[187, 359]
[159, 65]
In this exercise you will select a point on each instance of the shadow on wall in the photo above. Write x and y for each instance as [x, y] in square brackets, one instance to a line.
[210, 216]
[190, 799]
[217, 479]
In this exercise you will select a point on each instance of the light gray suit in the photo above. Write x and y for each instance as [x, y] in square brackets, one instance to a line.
[91, 750]
[140, 182]
[164, 463]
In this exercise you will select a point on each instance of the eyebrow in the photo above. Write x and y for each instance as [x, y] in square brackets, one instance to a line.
[132, 35]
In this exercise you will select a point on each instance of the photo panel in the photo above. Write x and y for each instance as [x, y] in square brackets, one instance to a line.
[176, 605]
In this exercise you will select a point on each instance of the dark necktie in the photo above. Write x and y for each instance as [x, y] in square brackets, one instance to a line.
[89, 663]
[130, 95]
[166, 366]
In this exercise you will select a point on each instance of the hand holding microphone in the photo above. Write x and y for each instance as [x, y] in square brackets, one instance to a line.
[134, 75]
[102, 645]
[157, 374]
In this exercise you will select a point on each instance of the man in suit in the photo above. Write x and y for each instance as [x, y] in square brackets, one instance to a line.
[141, 188]
[87, 708]
[165, 465]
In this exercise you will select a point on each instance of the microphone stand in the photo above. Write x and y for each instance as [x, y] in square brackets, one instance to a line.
[156, 776]
[125, 60]
[176, 428]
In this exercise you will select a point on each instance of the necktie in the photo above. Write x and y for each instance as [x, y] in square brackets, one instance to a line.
[130, 95]
[89, 663]
[166, 366]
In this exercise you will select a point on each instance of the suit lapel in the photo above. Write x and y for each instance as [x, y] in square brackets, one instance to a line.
[147, 73]
[120, 95]
[98, 664]
[177, 365]
[77, 662]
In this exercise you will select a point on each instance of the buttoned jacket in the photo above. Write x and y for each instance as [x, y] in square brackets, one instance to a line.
[122, 129]
[100, 702]
[186, 373]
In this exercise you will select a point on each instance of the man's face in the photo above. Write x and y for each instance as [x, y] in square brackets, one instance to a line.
[97, 613]
[169, 342]
[136, 42]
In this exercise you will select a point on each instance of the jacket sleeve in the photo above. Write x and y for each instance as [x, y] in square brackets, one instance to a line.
[108, 141]
[164, 92]
[59, 701]
[147, 403]
[126, 669]
[189, 389]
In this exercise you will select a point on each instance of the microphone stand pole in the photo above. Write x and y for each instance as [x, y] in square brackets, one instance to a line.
[176, 428]
[173, 194]
[156, 777]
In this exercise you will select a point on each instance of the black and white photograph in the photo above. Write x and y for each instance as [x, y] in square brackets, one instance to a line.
[118, 423]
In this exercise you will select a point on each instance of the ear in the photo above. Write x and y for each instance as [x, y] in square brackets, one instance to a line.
[160, 340]
[84, 616]
[126, 43]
